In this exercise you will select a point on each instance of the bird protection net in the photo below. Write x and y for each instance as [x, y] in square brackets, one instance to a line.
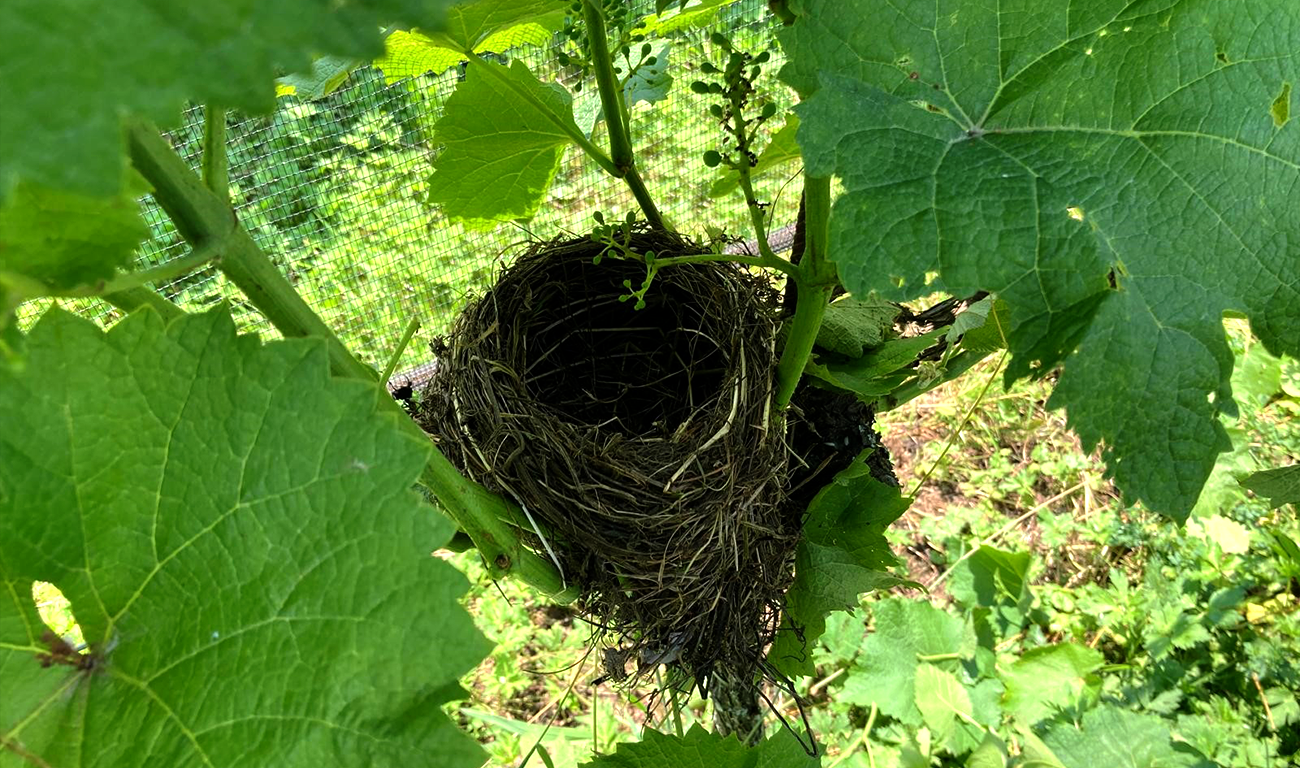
[333, 188]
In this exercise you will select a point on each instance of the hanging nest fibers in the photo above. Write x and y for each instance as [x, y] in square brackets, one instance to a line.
[639, 440]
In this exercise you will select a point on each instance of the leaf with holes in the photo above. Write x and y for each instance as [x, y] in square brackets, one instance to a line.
[1115, 171]
[236, 532]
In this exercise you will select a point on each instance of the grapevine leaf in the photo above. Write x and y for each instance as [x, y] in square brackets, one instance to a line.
[236, 533]
[885, 673]
[481, 26]
[990, 334]
[500, 151]
[780, 150]
[97, 63]
[852, 325]
[1116, 738]
[877, 372]
[62, 240]
[699, 748]
[1048, 678]
[1280, 486]
[843, 553]
[411, 54]
[991, 576]
[470, 24]
[943, 701]
[1111, 171]
[327, 75]
[701, 14]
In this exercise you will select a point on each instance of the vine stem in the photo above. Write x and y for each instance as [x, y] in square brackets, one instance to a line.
[216, 164]
[202, 217]
[774, 262]
[570, 129]
[611, 101]
[815, 282]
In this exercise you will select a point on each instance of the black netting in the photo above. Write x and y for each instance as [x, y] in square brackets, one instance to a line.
[333, 190]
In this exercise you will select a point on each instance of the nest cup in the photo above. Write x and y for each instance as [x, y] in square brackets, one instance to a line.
[641, 442]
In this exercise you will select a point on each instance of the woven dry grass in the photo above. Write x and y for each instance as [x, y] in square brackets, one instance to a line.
[640, 441]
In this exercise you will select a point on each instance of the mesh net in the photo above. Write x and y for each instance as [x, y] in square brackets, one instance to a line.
[333, 190]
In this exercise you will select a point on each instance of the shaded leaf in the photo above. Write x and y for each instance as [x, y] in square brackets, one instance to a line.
[1280, 486]
[327, 75]
[98, 62]
[852, 325]
[237, 535]
[843, 553]
[1039, 161]
[63, 240]
[877, 372]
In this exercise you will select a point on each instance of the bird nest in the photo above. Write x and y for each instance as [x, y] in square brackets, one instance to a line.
[640, 441]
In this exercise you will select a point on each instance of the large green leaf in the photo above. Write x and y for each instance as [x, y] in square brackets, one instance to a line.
[1113, 170]
[699, 748]
[71, 69]
[944, 703]
[1048, 678]
[63, 240]
[236, 532]
[503, 135]
[907, 632]
[1116, 738]
[480, 26]
[843, 553]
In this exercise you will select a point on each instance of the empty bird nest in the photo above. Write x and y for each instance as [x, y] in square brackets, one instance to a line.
[639, 440]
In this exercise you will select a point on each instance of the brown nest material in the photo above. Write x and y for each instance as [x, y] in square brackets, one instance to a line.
[640, 441]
